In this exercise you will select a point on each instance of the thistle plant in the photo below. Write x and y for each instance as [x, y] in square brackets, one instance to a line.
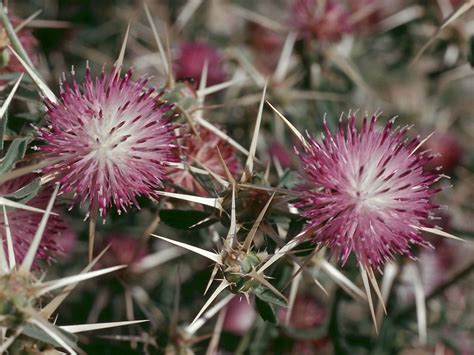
[25, 321]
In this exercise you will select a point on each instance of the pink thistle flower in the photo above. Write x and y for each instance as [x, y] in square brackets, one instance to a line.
[203, 149]
[326, 21]
[370, 192]
[24, 224]
[190, 60]
[113, 139]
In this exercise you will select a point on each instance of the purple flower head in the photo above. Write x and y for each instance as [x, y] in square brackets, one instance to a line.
[190, 60]
[24, 224]
[368, 191]
[113, 140]
[326, 21]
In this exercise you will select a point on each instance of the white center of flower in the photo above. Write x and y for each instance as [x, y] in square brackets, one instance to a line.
[104, 143]
[366, 189]
[108, 142]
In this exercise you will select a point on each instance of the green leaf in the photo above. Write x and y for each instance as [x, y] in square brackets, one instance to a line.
[470, 55]
[15, 152]
[180, 94]
[295, 227]
[3, 127]
[267, 295]
[26, 193]
[265, 310]
[28, 116]
[185, 219]
[285, 178]
[13, 76]
[304, 249]
[33, 331]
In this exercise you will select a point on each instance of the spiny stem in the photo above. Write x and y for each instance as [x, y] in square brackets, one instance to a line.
[92, 225]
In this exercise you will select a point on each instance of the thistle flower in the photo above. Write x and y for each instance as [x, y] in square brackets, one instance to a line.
[23, 224]
[368, 192]
[325, 21]
[202, 149]
[190, 60]
[113, 140]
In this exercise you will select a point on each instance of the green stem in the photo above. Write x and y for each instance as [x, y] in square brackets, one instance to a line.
[333, 325]
[14, 40]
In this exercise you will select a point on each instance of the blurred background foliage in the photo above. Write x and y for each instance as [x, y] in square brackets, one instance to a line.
[369, 68]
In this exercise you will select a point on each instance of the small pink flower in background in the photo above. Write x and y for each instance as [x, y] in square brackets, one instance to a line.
[279, 152]
[307, 313]
[321, 346]
[190, 59]
[124, 250]
[239, 316]
[325, 21]
[8, 62]
[456, 3]
[366, 14]
[67, 245]
[266, 46]
[113, 139]
[263, 39]
[370, 192]
[447, 151]
[203, 149]
[436, 265]
[24, 224]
